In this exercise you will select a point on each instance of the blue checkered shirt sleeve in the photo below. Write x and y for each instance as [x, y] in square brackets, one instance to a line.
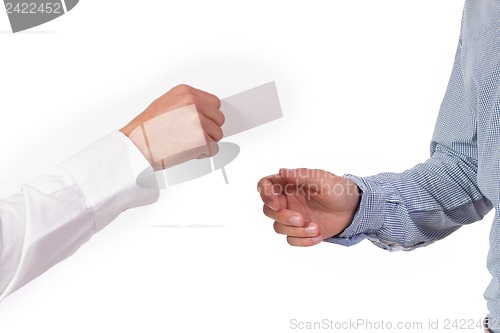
[403, 211]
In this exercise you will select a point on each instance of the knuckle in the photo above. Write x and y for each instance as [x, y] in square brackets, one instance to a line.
[189, 99]
[222, 118]
[301, 172]
[218, 103]
[183, 88]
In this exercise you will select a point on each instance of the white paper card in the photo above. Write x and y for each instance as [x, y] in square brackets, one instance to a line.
[251, 108]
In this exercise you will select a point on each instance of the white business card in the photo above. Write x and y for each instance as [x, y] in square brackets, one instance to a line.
[251, 108]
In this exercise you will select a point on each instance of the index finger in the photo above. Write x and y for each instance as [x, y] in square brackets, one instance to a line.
[269, 188]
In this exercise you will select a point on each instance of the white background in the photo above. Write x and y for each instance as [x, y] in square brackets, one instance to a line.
[360, 84]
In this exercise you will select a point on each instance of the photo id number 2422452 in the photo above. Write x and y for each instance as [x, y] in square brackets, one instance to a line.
[33, 8]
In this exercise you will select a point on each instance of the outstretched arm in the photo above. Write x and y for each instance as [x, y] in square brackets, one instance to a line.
[58, 212]
[395, 211]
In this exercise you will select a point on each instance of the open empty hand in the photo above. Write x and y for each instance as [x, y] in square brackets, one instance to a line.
[309, 205]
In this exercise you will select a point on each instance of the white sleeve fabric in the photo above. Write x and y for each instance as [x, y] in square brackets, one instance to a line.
[59, 211]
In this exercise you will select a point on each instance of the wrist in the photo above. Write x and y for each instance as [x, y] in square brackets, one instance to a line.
[127, 129]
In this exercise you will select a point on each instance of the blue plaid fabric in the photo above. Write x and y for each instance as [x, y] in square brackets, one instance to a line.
[460, 182]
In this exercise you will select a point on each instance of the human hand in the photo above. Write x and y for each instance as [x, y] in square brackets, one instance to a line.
[308, 205]
[183, 124]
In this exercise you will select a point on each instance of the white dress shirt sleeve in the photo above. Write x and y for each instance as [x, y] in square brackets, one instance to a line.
[55, 214]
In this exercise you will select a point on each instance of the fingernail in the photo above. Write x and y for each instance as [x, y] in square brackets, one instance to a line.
[270, 204]
[294, 220]
[311, 230]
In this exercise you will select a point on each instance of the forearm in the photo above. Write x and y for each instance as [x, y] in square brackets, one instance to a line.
[58, 212]
[418, 206]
